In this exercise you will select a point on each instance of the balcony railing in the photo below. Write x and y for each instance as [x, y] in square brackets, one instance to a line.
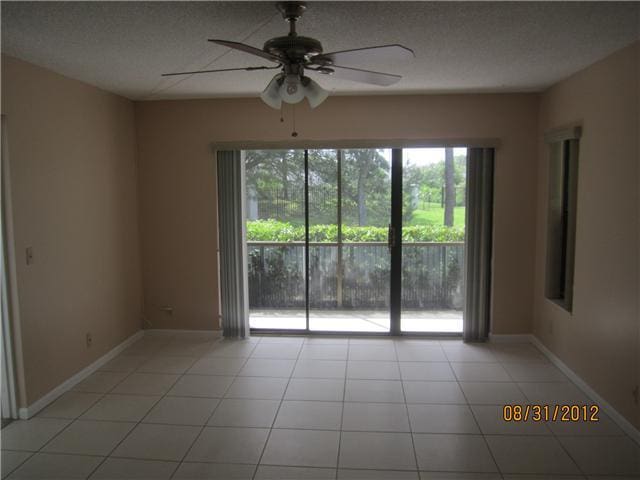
[354, 275]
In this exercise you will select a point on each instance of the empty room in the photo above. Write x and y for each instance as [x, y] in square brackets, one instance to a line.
[320, 240]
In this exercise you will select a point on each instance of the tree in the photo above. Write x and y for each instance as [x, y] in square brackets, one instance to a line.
[365, 183]
[449, 187]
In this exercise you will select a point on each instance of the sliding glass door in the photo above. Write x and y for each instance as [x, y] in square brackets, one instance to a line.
[349, 198]
[352, 240]
[433, 232]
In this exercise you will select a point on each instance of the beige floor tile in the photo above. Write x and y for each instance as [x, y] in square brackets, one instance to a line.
[468, 352]
[534, 372]
[442, 419]
[427, 371]
[520, 353]
[31, 435]
[86, 437]
[314, 351]
[230, 445]
[480, 372]
[201, 386]
[344, 474]
[267, 472]
[320, 369]
[453, 453]
[384, 353]
[309, 414]
[70, 405]
[48, 466]
[529, 454]
[267, 367]
[12, 460]
[260, 388]
[473, 476]
[373, 370]
[157, 442]
[217, 366]
[182, 411]
[277, 351]
[100, 382]
[553, 393]
[146, 384]
[124, 363]
[322, 389]
[326, 340]
[433, 392]
[372, 450]
[281, 339]
[166, 364]
[420, 353]
[238, 412]
[186, 348]
[121, 408]
[214, 471]
[493, 393]
[604, 455]
[231, 349]
[384, 391]
[375, 417]
[305, 448]
[129, 469]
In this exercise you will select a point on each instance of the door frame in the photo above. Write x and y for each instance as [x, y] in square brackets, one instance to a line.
[9, 303]
[396, 218]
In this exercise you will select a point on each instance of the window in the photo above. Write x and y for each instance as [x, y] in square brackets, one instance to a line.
[561, 215]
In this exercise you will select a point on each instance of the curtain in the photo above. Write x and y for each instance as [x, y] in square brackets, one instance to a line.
[234, 294]
[479, 225]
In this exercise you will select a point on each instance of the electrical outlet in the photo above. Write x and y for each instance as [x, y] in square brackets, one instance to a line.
[29, 255]
[89, 340]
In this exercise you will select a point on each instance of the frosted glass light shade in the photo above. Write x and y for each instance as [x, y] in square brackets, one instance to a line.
[315, 94]
[271, 94]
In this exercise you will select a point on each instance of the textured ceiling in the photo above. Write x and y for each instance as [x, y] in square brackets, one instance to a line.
[123, 47]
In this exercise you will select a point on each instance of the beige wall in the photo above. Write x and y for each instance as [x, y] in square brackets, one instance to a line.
[178, 184]
[599, 341]
[72, 158]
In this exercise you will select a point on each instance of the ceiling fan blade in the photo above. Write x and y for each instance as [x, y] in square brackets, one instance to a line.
[365, 76]
[381, 53]
[248, 69]
[247, 49]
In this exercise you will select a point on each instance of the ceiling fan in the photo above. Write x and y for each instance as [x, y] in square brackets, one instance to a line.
[294, 54]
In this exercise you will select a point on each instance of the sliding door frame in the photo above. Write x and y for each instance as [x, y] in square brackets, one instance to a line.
[395, 226]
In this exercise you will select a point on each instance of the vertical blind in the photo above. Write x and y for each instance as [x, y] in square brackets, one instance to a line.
[234, 295]
[479, 226]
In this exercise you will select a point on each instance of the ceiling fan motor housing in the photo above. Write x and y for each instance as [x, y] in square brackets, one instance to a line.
[294, 48]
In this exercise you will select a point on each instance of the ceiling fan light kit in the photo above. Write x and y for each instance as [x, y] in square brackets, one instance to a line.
[293, 54]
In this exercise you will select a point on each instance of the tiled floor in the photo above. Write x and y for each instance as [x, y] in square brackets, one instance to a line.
[188, 406]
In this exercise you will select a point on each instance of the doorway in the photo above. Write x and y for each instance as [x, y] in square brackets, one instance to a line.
[355, 240]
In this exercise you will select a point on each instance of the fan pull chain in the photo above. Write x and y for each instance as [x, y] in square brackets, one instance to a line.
[294, 133]
[281, 112]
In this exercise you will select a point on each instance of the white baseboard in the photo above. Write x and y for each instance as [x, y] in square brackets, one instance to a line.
[519, 338]
[29, 411]
[605, 406]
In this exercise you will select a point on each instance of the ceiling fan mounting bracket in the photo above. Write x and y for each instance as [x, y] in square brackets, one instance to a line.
[291, 11]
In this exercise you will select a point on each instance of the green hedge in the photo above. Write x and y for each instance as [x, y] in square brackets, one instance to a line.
[275, 231]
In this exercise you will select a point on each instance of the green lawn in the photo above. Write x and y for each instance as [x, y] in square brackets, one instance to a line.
[434, 215]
